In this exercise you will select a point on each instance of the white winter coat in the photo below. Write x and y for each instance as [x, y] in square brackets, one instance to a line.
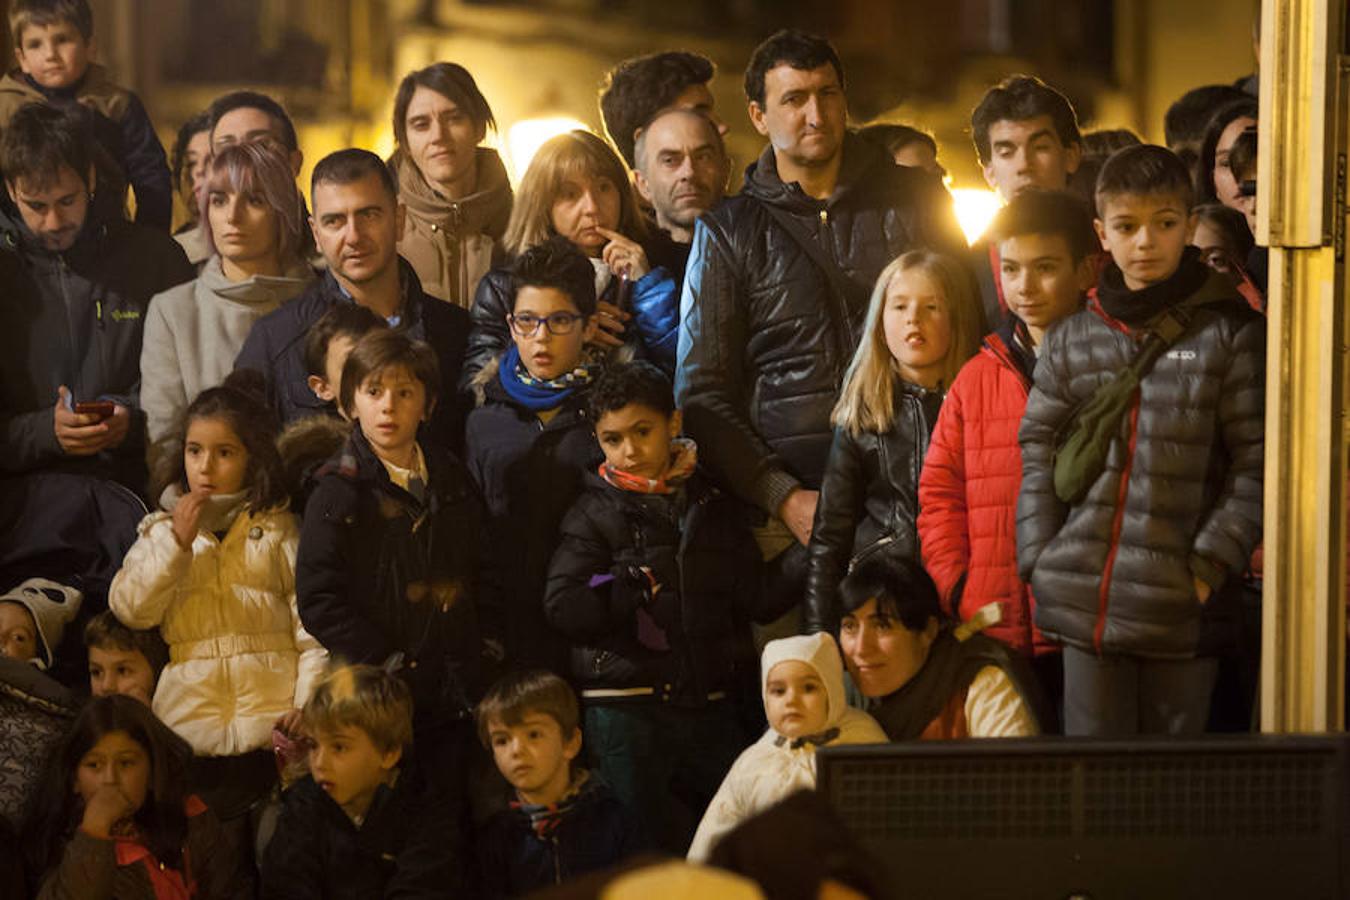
[238, 655]
[771, 769]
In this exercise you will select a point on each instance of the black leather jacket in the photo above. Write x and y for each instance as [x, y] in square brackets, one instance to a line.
[764, 340]
[869, 501]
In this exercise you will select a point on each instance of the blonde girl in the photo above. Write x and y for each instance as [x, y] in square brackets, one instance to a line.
[923, 323]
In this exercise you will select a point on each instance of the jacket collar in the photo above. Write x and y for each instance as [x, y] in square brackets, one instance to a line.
[410, 286]
[256, 290]
[1010, 345]
[861, 160]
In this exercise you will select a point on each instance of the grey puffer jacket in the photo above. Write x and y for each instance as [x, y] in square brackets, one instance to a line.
[763, 340]
[1180, 496]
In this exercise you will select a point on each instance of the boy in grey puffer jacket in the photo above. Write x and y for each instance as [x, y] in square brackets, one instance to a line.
[1123, 575]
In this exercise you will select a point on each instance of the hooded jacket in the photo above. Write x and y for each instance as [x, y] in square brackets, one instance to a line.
[869, 500]
[386, 579]
[1180, 495]
[238, 656]
[699, 548]
[595, 831]
[276, 347]
[76, 318]
[122, 128]
[529, 472]
[408, 845]
[968, 494]
[775, 766]
[764, 340]
[193, 332]
[451, 244]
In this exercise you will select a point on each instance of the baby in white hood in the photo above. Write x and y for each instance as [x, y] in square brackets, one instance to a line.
[803, 683]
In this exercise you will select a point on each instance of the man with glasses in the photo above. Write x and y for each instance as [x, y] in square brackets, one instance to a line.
[357, 221]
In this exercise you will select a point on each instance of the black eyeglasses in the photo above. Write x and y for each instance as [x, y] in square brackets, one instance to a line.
[527, 325]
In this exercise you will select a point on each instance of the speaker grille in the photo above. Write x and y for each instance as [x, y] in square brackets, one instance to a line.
[1119, 795]
[956, 799]
[1205, 796]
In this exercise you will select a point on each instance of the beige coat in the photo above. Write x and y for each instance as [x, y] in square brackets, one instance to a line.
[452, 244]
[193, 332]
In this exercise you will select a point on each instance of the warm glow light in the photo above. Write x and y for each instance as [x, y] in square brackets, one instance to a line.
[524, 139]
[975, 209]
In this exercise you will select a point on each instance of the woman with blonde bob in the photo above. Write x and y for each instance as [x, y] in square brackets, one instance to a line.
[576, 186]
[923, 323]
[253, 218]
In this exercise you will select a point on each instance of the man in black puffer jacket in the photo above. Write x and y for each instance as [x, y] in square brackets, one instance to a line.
[766, 332]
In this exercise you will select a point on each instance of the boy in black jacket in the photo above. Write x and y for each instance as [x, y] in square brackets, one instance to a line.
[528, 441]
[391, 547]
[655, 583]
[562, 821]
[363, 823]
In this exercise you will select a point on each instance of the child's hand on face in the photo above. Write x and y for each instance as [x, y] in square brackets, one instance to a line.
[104, 810]
[1202, 591]
[186, 514]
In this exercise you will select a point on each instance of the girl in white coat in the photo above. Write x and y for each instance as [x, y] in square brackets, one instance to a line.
[214, 571]
[803, 683]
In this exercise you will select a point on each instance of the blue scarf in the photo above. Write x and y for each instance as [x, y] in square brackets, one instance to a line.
[536, 394]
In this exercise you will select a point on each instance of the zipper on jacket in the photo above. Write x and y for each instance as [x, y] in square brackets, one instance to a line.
[72, 338]
[844, 336]
[1116, 523]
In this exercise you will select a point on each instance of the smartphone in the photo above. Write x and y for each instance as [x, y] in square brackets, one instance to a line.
[101, 408]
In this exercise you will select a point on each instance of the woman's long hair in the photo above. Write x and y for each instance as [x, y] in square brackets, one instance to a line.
[240, 402]
[1223, 116]
[867, 399]
[55, 809]
[559, 159]
[262, 168]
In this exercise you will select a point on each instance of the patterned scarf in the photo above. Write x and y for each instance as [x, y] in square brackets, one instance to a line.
[546, 817]
[537, 394]
[683, 460]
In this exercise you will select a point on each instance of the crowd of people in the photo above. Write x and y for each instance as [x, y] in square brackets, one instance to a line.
[438, 539]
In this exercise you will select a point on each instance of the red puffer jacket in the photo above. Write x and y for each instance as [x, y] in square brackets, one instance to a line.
[968, 494]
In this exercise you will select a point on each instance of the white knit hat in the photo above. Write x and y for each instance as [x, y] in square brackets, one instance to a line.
[820, 652]
[52, 605]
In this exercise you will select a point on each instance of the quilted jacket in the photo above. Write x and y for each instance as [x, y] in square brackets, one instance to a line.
[763, 340]
[239, 657]
[1180, 495]
[968, 494]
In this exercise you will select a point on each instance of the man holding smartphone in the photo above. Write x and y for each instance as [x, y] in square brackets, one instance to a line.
[76, 283]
